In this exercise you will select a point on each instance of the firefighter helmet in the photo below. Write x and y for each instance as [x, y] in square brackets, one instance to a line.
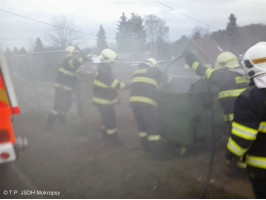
[254, 60]
[107, 56]
[151, 62]
[227, 59]
[71, 51]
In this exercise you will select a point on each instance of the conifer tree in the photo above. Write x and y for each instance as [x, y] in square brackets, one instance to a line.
[232, 33]
[101, 39]
[38, 45]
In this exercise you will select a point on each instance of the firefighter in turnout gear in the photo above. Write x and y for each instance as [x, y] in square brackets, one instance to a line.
[65, 85]
[143, 101]
[105, 93]
[248, 138]
[227, 77]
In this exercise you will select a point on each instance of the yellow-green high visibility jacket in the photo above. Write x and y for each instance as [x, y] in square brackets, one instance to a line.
[145, 83]
[230, 84]
[66, 77]
[106, 86]
[248, 135]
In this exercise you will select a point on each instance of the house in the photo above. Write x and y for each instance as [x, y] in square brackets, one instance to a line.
[206, 50]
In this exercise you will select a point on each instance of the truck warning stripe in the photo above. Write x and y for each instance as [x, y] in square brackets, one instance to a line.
[4, 101]
[2, 85]
[3, 98]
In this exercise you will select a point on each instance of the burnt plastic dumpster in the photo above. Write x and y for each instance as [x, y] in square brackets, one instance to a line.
[187, 116]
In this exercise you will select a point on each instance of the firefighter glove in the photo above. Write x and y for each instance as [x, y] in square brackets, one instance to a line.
[190, 57]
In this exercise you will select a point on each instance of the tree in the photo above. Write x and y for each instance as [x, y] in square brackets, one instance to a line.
[101, 39]
[131, 36]
[179, 45]
[38, 45]
[63, 33]
[15, 51]
[123, 36]
[156, 30]
[8, 52]
[22, 51]
[137, 33]
[219, 36]
[199, 32]
[232, 33]
[163, 48]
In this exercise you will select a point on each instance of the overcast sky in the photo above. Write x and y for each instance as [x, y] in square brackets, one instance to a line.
[180, 15]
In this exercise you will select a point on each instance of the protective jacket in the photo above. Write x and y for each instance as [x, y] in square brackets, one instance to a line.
[248, 135]
[105, 96]
[143, 101]
[106, 86]
[230, 84]
[144, 85]
[66, 77]
[65, 84]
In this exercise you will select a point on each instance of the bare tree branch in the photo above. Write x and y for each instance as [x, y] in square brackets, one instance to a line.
[63, 33]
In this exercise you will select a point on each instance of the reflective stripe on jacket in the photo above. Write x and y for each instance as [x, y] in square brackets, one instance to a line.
[145, 83]
[230, 85]
[106, 86]
[248, 135]
[66, 77]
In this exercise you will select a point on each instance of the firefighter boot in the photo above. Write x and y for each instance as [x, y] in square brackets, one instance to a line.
[160, 151]
[115, 140]
[144, 144]
[237, 171]
[104, 134]
[50, 120]
[62, 119]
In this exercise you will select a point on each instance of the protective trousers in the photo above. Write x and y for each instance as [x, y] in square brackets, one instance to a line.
[108, 118]
[257, 178]
[62, 104]
[149, 128]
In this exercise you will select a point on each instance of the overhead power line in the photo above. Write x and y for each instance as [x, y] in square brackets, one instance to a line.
[46, 23]
[181, 13]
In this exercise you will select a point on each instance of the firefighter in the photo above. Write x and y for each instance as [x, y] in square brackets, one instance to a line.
[105, 93]
[143, 101]
[249, 125]
[65, 84]
[227, 77]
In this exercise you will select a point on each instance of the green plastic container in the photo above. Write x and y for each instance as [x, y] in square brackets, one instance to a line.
[186, 116]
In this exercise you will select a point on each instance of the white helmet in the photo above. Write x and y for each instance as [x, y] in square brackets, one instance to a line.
[227, 59]
[254, 60]
[151, 62]
[107, 56]
[71, 51]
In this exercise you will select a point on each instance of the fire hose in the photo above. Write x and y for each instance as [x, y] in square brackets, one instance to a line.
[211, 133]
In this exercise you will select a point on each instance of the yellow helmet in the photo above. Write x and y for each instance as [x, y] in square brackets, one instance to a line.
[71, 51]
[108, 56]
[151, 62]
[227, 59]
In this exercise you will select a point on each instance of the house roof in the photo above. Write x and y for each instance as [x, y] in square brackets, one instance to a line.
[207, 47]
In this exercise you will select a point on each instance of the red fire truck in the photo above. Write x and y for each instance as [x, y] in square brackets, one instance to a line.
[9, 144]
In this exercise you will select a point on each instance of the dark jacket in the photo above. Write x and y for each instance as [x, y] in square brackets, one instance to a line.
[230, 84]
[66, 77]
[106, 86]
[145, 83]
[249, 127]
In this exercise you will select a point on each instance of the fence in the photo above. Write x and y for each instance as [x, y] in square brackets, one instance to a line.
[34, 75]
